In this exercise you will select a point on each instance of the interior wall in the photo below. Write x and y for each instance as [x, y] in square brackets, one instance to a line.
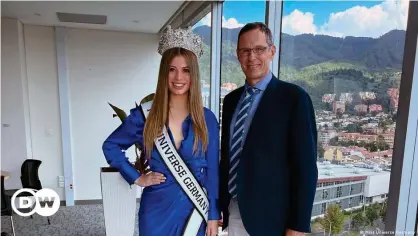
[15, 133]
[116, 67]
[44, 104]
[103, 66]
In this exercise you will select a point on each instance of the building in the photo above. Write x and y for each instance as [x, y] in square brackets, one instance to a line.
[346, 97]
[367, 95]
[352, 159]
[389, 138]
[229, 86]
[328, 98]
[394, 97]
[367, 138]
[338, 105]
[375, 108]
[325, 135]
[349, 186]
[333, 154]
[372, 129]
[360, 108]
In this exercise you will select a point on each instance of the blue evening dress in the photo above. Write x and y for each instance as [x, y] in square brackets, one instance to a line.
[165, 208]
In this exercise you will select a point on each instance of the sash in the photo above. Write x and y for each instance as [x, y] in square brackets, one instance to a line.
[183, 176]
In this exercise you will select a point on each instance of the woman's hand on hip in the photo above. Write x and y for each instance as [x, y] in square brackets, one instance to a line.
[150, 179]
[212, 228]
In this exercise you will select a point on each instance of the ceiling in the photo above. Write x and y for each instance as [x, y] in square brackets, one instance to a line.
[135, 16]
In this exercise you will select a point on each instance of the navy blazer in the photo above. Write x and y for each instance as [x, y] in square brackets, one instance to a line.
[277, 175]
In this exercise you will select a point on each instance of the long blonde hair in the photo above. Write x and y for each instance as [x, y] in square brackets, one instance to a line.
[158, 115]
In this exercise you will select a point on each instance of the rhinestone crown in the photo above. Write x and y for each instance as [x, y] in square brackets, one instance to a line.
[182, 38]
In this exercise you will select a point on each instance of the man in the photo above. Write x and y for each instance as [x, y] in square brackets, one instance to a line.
[268, 172]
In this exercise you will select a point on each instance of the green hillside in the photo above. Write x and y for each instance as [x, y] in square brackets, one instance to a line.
[334, 76]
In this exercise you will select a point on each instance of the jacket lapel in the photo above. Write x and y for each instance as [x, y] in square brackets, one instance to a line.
[234, 103]
[262, 109]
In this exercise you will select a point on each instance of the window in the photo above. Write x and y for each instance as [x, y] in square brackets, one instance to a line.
[339, 192]
[235, 16]
[325, 194]
[351, 68]
[323, 208]
[203, 28]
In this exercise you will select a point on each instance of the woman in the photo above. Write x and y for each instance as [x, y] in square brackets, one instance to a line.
[165, 207]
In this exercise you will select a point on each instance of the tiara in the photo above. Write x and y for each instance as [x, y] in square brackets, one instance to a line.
[181, 38]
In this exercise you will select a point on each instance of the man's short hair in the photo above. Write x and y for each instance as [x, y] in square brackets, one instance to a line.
[257, 25]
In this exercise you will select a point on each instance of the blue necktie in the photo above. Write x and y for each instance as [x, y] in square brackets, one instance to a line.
[235, 148]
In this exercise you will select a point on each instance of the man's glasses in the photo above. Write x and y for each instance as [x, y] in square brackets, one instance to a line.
[247, 51]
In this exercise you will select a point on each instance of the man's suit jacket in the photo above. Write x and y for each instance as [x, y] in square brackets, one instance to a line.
[277, 174]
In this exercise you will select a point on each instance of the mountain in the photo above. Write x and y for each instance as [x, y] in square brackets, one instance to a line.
[227, 34]
[304, 50]
[323, 64]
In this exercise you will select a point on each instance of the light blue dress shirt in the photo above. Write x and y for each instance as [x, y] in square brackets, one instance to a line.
[261, 86]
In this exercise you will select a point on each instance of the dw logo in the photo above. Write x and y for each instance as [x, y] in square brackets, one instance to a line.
[47, 202]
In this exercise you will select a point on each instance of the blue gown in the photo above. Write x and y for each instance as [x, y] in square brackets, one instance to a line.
[165, 208]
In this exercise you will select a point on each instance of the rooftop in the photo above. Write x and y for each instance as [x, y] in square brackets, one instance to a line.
[331, 171]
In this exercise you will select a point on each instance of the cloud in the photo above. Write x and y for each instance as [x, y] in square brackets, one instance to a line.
[206, 20]
[230, 23]
[357, 21]
[298, 23]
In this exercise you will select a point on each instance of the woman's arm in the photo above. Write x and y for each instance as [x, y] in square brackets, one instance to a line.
[212, 155]
[127, 134]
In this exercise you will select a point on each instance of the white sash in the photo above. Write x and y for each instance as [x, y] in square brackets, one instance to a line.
[184, 177]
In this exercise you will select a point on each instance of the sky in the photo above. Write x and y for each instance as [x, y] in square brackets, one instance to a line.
[335, 18]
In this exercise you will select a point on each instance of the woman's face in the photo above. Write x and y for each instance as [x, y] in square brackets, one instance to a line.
[179, 76]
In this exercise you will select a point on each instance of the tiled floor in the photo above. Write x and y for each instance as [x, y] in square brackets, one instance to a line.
[80, 220]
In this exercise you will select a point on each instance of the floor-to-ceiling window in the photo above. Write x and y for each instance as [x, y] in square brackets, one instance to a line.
[348, 56]
[235, 15]
[203, 28]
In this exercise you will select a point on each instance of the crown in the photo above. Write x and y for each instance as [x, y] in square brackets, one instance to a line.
[181, 38]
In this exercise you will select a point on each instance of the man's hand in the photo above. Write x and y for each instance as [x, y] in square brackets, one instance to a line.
[220, 222]
[290, 232]
[150, 179]
[212, 229]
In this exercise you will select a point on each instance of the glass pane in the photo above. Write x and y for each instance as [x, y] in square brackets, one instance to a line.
[204, 29]
[235, 15]
[348, 57]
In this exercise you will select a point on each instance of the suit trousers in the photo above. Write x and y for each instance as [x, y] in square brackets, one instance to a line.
[235, 226]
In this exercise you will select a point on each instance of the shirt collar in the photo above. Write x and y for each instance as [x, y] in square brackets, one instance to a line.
[262, 84]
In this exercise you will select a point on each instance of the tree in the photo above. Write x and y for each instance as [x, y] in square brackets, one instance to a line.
[362, 144]
[320, 150]
[359, 221]
[334, 219]
[333, 141]
[339, 113]
[337, 125]
[383, 211]
[381, 143]
[383, 124]
[354, 128]
[372, 214]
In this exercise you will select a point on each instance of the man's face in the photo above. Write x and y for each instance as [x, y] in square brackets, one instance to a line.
[254, 54]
